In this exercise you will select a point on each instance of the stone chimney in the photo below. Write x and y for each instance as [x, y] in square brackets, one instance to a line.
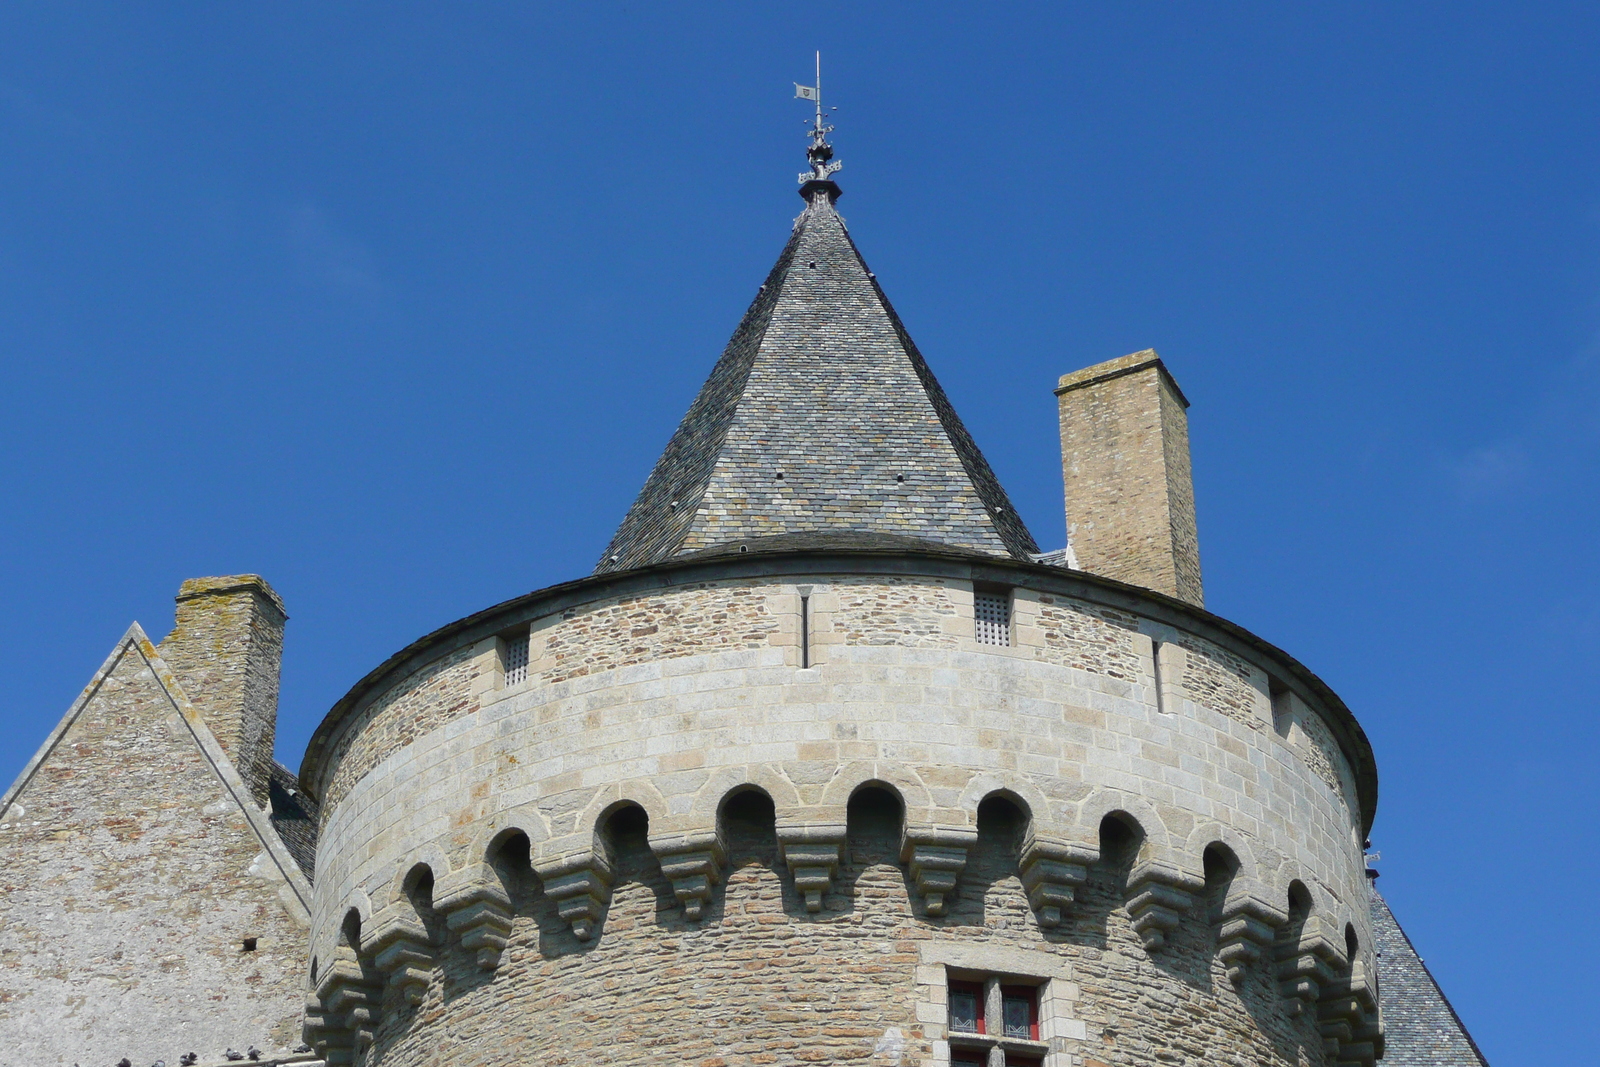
[225, 648]
[1125, 464]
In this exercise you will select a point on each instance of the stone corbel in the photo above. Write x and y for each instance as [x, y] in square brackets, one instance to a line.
[1247, 932]
[477, 908]
[325, 1033]
[1347, 1018]
[580, 887]
[351, 1000]
[936, 857]
[812, 854]
[1159, 896]
[1308, 963]
[694, 867]
[403, 950]
[1051, 873]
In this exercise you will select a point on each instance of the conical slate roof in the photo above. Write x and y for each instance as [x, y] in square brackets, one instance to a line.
[821, 416]
[1421, 1029]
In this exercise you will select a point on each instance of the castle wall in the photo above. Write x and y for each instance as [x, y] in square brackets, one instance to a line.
[695, 692]
[130, 875]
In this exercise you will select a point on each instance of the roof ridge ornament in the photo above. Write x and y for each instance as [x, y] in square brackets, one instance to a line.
[820, 153]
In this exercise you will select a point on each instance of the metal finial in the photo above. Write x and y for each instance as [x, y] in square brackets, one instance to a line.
[820, 153]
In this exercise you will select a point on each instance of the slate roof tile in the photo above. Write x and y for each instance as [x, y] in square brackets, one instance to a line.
[1421, 1029]
[821, 415]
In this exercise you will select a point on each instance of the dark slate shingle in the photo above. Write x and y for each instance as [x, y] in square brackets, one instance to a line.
[294, 815]
[822, 384]
[1421, 1029]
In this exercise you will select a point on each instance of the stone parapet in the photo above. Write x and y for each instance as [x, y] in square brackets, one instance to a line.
[1070, 726]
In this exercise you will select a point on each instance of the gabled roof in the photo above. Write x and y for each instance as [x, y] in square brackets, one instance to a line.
[821, 415]
[279, 851]
[1421, 1029]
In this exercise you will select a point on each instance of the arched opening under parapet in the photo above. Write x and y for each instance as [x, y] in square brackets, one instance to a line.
[1121, 838]
[1352, 945]
[639, 891]
[1299, 903]
[1221, 865]
[510, 856]
[747, 821]
[990, 882]
[417, 888]
[875, 826]
[350, 930]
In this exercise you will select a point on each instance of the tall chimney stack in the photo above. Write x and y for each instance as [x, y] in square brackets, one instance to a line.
[226, 648]
[1125, 465]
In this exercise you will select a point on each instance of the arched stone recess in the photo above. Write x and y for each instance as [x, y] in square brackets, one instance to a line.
[577, 869]
[935, 840]
[342, 1013]
[1052, 863]
[1347, 1013]
[1250, 914]
[403, 947]
[709, 798]
[1310, 950]
[1164, 882]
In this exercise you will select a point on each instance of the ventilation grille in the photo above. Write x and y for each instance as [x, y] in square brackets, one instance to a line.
[516, 659]
[993, 614]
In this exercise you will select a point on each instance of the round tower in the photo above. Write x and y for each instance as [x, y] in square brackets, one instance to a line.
[826, 762]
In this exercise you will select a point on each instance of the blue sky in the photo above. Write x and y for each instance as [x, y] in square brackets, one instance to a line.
[396, 304]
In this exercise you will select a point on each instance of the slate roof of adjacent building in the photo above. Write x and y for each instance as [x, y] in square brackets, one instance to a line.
[1421, 1029]
[293, 815]
[820, 415]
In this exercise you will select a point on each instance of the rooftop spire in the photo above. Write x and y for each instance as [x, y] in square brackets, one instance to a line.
[821, 421]
[820, 153]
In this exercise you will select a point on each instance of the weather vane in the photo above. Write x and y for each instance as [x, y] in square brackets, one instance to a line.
[821, 152]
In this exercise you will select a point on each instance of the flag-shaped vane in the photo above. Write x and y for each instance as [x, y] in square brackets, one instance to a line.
[804, 92]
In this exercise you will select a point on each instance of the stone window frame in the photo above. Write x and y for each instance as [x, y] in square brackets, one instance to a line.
[513, 658]
[1061, 1031]
[1006, 595]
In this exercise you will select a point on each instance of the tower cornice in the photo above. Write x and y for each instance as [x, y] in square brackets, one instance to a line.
[823, 554]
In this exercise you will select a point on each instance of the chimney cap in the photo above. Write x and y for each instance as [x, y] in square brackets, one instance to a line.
[226, 585]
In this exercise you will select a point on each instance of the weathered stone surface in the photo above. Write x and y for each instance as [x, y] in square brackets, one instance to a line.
[227, 646]
[1129, 490]
[133, 867]
[821, 414]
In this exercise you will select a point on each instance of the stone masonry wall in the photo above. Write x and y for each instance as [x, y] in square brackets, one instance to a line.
[227, 645]
[759, 980]
[129, 879]
[1066, 719]
[1126, 471]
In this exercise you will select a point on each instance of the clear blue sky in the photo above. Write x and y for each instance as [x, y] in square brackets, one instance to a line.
[397, 304]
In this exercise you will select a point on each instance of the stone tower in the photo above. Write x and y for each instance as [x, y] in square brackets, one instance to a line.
[827, 761]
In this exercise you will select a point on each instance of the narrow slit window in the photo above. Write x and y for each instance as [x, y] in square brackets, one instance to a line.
[516, 653]
[992, 615]
[805, 632]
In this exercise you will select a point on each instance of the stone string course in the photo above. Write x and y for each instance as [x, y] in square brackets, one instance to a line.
[595, 946]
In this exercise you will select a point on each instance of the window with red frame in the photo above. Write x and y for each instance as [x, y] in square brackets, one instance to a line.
[966, 1008]
[1019, 1012]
